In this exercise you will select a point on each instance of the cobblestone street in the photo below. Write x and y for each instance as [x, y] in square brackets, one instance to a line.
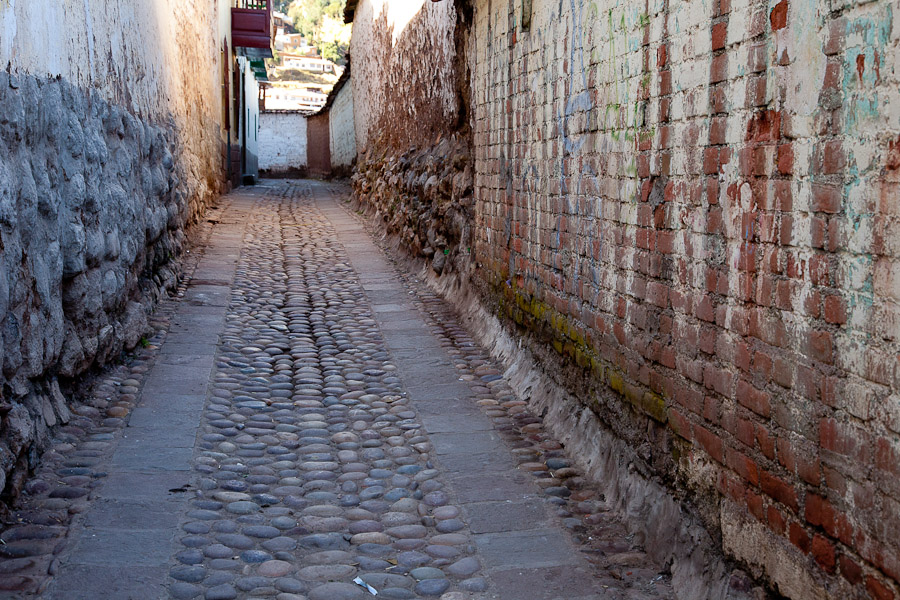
[310, 420]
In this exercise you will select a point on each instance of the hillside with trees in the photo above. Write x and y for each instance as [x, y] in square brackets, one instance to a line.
[322, 22]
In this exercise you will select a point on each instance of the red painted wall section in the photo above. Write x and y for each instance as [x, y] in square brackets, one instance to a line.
[319, 150]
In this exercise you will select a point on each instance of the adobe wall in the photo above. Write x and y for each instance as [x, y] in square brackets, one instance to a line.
[110, 146]
[319, 144]
[404, 76]
[410, 103]
[692, 207]
[684, 214]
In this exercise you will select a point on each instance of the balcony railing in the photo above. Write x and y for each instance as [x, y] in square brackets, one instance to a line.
[252, 33]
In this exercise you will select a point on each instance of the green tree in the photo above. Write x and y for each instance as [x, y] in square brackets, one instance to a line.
[307, 15]
[315, 19]
[335, 52]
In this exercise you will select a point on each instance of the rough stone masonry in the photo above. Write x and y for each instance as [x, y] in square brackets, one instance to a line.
[686, 214]
[107, 152]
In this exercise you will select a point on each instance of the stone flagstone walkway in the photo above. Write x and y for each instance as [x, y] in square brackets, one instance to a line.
[308, 416]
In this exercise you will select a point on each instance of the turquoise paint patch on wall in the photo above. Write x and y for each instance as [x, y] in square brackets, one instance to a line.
[863, 66]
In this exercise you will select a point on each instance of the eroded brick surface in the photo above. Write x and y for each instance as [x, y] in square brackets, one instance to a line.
[687, 210]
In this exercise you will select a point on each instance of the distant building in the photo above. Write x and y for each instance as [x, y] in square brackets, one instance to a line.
[316, 64]
[293, 43]
[283, 23]
[301, 98]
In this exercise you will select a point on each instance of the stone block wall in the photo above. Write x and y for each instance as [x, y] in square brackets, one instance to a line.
[425, 197]
[110, 146]
[695, 206]
[282, 142]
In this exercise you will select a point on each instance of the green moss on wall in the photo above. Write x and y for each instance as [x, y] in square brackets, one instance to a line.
[563, 334]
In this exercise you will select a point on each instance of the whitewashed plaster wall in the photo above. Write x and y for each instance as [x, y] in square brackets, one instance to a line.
[251, 116]
[155, 58]
[343, 129]
[149, 56]
[282, 141]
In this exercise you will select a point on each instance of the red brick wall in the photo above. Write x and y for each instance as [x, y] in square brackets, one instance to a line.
[697, 206]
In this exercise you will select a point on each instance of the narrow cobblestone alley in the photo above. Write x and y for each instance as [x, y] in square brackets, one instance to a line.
[310, 414]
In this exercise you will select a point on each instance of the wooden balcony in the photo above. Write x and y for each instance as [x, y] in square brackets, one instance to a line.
[252, 34]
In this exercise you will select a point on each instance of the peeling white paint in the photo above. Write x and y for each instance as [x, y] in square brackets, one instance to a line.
[89, 23]
[805, 48]
[343, 131]
[9, 27]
